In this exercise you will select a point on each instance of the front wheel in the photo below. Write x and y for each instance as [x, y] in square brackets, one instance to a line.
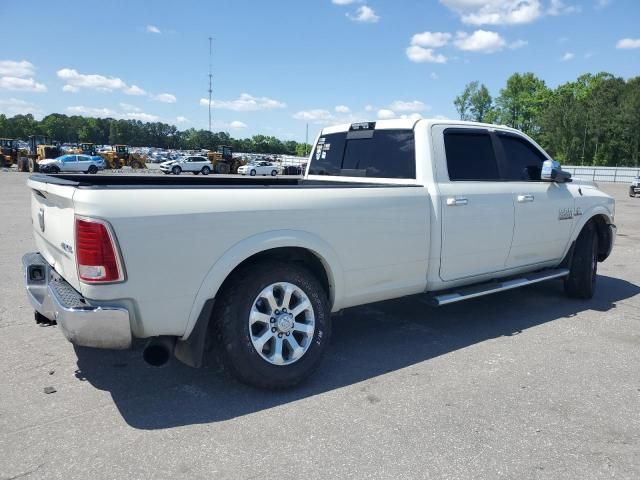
[581, 281]
[274, 173]
[252, 173]
[93, 170]
[205, 170]
[274, 324]
[55, 170]
[176, 170]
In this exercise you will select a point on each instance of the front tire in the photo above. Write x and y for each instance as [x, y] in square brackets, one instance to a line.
[55, 170]
[274, 173]
[93, 170]
[252, 173]
[581, 281]
[176, 170]
[205, 170]
[263, 348]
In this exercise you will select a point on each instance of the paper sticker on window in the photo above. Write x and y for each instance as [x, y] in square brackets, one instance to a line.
[324, 155]
[327, 146]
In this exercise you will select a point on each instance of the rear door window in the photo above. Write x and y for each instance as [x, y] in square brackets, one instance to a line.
[470, 155]
[372, 153]
[523, 160]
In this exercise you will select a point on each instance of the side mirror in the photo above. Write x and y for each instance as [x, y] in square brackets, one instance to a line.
[552, 172]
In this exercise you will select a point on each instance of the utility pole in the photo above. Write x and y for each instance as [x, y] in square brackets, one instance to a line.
[210, 80]
[306, 141]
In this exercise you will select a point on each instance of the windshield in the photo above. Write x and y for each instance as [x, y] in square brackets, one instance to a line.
[365, 153]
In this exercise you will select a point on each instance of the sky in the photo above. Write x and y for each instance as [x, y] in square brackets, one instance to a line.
[280, 65]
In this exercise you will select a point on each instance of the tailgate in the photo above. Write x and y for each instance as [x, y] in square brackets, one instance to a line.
[53, 223]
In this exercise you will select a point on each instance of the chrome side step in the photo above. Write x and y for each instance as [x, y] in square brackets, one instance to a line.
[465, 293]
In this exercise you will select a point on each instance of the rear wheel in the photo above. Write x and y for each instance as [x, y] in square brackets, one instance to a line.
[176, 170]
[273, 324]
[581, 281]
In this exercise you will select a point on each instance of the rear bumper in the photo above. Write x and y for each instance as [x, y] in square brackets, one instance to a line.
[81, 323]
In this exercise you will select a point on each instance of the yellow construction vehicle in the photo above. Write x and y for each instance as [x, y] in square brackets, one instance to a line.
[222, 160]
[85, 149]
[120, 156]
[41, 148]
[8, 152]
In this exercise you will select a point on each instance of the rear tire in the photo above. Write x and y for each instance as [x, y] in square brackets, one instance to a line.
[232, 311]
[581, 281]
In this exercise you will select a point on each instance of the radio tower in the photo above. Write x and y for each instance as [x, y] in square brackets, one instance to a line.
[210, 80]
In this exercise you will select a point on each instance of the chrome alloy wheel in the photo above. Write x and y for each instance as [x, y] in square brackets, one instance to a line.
[281, 323]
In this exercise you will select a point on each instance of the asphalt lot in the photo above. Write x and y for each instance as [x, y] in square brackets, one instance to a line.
[526, 384]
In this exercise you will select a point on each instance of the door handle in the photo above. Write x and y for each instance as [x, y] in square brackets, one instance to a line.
[525, 198]
[456, 201]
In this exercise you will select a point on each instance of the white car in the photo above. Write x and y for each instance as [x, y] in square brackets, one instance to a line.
[259, 168]
[444, 209]
[634, 188]
[194, 164]
[72, 163]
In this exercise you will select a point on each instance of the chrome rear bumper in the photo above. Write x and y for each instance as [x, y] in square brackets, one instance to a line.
[81, 323]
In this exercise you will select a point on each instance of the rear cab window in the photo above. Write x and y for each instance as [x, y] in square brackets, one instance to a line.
[364, 151]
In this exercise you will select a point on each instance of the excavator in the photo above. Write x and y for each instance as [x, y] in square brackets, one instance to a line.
[41, 147]
[120, 156]
[222, 160]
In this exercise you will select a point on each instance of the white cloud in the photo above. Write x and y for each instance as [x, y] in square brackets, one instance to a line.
[237, 124]
[127, 107]
[431, 39]
[344, 2]
[567, 56]
[314, 116]
[418, 54]
[14, 106]
[518, 44]
[628, 43]
[181, 119]
[152, 29]
[558, 7]
[134, 90]
[11, 68]
[602, 3]
[495, 12]
[245, 103]
[385, 114]
[412, 106]
[26, 84]
[364, 14]
[342, 109]
[369, 108]
[19, 76]
[144, 117]
[165, 98]
[76, 81]
[479, 41]
[92, 112]
[433, 76]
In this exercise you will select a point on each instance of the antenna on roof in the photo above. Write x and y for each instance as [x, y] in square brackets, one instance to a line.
[210, 79]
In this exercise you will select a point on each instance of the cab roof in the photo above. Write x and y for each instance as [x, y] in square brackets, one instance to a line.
[409, 123]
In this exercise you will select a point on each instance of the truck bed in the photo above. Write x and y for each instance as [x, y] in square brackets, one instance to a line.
[191, 181]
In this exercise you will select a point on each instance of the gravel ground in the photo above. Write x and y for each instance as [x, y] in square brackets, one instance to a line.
[525, 384]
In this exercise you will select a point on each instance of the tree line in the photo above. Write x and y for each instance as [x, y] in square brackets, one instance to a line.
[109, 131]
[594, 120]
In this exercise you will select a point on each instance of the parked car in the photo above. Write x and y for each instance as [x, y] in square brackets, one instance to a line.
[634, 188]
[193, 164]
[259, 168]
[449, 210]
[73, 163]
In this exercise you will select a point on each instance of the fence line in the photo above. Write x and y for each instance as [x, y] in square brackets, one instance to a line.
[603, 174]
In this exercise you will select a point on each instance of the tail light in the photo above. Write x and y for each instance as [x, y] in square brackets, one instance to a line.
[96, 253]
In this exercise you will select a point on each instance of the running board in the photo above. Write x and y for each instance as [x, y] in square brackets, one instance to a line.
[479, 290]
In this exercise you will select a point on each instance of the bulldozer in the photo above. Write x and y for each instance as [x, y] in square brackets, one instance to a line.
[222, 160]
[84, 149]
[41, 147]
[120, 156]
[8, 152]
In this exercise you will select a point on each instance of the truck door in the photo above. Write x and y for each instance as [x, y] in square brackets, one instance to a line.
[477, 208]
[544, 211]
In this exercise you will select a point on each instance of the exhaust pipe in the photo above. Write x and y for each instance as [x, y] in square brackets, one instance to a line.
[159, 350]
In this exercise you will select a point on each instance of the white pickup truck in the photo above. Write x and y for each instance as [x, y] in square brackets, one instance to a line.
[451, 210]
